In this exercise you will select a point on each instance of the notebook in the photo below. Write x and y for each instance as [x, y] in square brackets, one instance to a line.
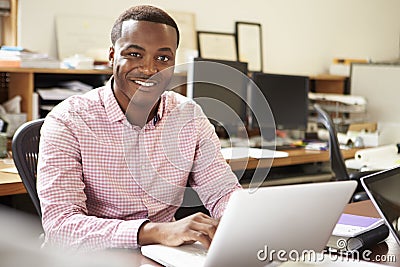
[255, 224]
[383, 188]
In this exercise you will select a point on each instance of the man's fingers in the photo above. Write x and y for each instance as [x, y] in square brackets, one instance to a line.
[203, 218]
[194, 235]
[204, 228]
[195, 228]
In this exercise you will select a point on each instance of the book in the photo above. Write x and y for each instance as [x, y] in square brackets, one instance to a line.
[350, 225]
[355, 232]
[26, 59]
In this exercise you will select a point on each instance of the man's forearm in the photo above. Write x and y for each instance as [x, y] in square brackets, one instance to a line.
[149, 233]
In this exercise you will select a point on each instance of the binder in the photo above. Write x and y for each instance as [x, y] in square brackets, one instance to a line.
[359, 242]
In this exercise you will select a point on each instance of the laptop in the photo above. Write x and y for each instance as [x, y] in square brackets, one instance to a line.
[256, 225]
[383, 188]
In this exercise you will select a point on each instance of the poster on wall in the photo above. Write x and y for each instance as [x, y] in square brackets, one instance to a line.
[249, 44]
[217, 45]
[83, 35]
[187, 48]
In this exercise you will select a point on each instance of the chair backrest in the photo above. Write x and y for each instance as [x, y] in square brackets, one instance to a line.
[25, 150]
[337, 162]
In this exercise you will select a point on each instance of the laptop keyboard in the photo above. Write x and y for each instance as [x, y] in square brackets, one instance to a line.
[194, 250]
[193, 255]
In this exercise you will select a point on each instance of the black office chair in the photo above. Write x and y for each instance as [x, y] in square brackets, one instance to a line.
[337, 162]
[25, 150]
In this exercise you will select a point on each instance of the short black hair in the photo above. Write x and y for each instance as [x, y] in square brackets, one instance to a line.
[144, 13]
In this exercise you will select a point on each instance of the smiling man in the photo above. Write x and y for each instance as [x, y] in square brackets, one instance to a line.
[114, 163]
[143, 57]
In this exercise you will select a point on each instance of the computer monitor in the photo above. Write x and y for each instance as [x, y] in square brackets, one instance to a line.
[287, 96]
[220, 88]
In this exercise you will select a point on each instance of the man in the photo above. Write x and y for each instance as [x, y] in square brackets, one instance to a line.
[113, 163]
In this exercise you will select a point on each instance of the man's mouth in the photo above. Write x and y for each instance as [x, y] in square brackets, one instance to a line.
[145, 83]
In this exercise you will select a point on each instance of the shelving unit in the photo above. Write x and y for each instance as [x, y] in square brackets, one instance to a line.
[24, 81]
[344, 109]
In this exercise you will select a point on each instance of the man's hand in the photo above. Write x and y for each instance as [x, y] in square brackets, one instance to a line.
[197, 227]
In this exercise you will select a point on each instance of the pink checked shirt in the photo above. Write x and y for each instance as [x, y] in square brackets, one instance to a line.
[100, 178]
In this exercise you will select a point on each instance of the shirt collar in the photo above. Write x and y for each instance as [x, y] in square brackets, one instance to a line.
[111, 105]
[115, 113]
[160, 111]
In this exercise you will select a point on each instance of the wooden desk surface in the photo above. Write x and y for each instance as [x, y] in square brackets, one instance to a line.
[10, 183]
[296, 156]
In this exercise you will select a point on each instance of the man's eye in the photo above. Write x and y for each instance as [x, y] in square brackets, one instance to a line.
[163, 58]
[134, 54]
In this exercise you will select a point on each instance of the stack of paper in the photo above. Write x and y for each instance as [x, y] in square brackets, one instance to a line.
[57, 93]
[9, 60]
[68, 89]
[339, 102]
[26, 59]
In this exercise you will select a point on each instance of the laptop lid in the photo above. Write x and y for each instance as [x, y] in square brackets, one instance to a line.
[383, 188]
[257, 225]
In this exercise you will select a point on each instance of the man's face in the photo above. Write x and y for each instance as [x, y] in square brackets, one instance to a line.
[143, 60]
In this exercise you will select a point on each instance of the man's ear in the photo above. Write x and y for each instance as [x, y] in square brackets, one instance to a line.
[111, 55]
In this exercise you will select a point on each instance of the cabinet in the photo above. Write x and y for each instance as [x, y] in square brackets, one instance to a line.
[24, 81]
[333, 84]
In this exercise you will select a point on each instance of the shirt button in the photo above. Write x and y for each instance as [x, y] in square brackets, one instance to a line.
[143, 167]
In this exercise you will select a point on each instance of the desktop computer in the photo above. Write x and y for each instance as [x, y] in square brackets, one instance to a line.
[220, 88]
[287, 97]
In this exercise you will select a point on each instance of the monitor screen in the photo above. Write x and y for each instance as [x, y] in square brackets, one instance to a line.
[220, 88]
[287, 96]
[384, 189]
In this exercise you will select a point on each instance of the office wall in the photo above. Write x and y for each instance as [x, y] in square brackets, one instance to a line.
[299, 36]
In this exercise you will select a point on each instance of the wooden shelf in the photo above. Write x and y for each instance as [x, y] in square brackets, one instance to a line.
[23, 81]
[56, 71]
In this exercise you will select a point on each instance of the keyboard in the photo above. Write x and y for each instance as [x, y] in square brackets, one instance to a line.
[186, 255]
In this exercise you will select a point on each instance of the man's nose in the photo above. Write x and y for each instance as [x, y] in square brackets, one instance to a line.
[148, 67]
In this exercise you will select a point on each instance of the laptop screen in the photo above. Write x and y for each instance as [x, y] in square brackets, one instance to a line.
[384, 190]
